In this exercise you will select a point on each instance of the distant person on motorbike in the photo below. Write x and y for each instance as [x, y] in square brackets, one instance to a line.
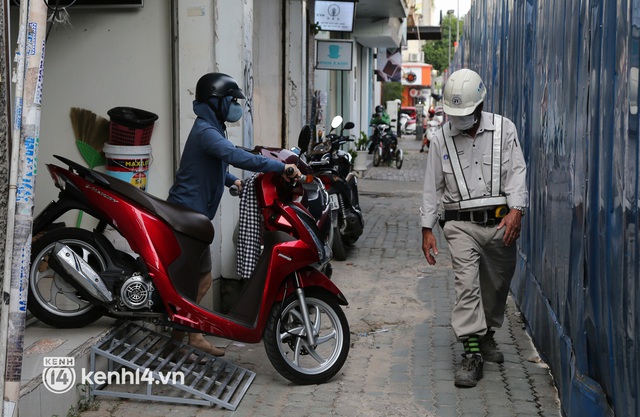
[380, 117]
[203, 172]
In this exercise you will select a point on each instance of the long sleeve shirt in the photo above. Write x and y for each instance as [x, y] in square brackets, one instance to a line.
[380, 118]
[205, 161]
[440, 187]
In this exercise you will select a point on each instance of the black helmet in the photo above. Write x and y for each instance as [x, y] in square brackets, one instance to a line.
[379, 108]
[217, 84]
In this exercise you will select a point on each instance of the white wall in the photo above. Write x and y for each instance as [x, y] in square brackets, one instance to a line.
[96, 63]
[195, 50]
[295, 69]
[233, 26]
[267, 55]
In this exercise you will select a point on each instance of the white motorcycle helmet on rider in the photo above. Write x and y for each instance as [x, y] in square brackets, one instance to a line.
[463, 92]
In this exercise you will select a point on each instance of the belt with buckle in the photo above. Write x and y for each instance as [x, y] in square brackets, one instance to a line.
[485, 217]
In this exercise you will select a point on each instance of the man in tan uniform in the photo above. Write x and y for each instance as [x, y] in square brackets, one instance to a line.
[475, 187]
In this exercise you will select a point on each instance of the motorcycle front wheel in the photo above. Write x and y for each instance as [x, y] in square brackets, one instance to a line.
[286, 344]
[399, 158]
[51, 299]
[376, 157]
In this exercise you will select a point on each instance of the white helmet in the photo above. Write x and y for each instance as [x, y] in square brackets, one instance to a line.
[463, 92]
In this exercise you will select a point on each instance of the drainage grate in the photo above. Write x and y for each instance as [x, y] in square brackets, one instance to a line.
[147, 365]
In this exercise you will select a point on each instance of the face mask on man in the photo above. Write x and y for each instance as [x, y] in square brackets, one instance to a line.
[463, 123]
[234, 113]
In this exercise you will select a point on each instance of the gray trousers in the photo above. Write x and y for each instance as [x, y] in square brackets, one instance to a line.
[483, 268]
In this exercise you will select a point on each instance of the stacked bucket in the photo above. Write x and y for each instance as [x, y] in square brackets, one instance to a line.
[128, 153]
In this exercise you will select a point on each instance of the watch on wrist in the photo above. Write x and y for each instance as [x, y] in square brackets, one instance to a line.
[522, 210]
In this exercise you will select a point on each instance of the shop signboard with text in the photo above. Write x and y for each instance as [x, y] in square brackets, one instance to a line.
[335, 16]
[332, 54]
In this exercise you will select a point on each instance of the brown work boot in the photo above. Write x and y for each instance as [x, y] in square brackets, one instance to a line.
[489, 348]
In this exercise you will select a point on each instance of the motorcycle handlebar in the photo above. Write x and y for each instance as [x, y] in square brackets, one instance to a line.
[319, 163]
[235, 192]
[335, 138]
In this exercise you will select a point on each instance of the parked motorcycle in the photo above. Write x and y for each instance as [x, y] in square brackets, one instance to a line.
[316, 199]
[407, 124]
[386, 149]
[77, 276]
[334, 168]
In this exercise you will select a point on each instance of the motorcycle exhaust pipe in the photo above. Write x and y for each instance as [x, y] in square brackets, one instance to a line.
[79, 270]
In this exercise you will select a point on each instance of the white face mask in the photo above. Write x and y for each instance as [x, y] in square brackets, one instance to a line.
[463, 123]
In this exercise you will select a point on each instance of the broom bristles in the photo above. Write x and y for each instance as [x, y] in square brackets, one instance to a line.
[89, 127]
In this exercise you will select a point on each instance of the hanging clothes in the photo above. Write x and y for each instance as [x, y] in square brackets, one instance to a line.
[249, 230]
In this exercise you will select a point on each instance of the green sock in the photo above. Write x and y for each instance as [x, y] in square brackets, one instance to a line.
[472, 344]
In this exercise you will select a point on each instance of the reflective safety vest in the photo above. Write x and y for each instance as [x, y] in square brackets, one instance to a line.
[468, 203]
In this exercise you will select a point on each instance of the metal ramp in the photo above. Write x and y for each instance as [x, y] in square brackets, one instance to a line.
[147, 365]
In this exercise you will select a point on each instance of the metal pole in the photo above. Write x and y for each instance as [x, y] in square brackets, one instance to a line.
[450, 12]
[175, 81]
[10, 404]
[458, 24]
[27, 125]
[449, 56]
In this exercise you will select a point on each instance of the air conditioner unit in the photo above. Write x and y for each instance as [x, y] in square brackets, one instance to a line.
[414, 57]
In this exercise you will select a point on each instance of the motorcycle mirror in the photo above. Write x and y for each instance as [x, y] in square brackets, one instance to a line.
[348, 125]
[304, 138]
[337, 121]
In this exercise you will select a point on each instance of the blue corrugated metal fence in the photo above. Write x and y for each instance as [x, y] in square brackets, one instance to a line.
[566, 72]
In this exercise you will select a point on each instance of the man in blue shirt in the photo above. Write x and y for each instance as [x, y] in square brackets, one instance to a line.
[204, 167]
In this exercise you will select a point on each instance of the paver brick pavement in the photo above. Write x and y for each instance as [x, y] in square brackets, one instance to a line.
[403, 351]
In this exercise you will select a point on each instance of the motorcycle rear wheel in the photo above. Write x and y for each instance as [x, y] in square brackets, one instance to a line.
[285, 338]
[51, 299]
[337, 247]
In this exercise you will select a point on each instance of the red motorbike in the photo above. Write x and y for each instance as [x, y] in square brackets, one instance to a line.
[77, 276]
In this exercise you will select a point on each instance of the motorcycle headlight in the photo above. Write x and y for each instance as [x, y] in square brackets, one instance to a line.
[324, 251]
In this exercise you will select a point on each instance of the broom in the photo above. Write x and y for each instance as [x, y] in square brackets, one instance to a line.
[91, 133]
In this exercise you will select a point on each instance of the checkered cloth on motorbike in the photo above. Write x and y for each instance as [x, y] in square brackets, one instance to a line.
[249, 230]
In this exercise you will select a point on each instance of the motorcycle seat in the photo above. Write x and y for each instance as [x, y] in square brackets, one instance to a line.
[181, 219]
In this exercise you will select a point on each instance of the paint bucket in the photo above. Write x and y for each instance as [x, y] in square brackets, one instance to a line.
[128, 163]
